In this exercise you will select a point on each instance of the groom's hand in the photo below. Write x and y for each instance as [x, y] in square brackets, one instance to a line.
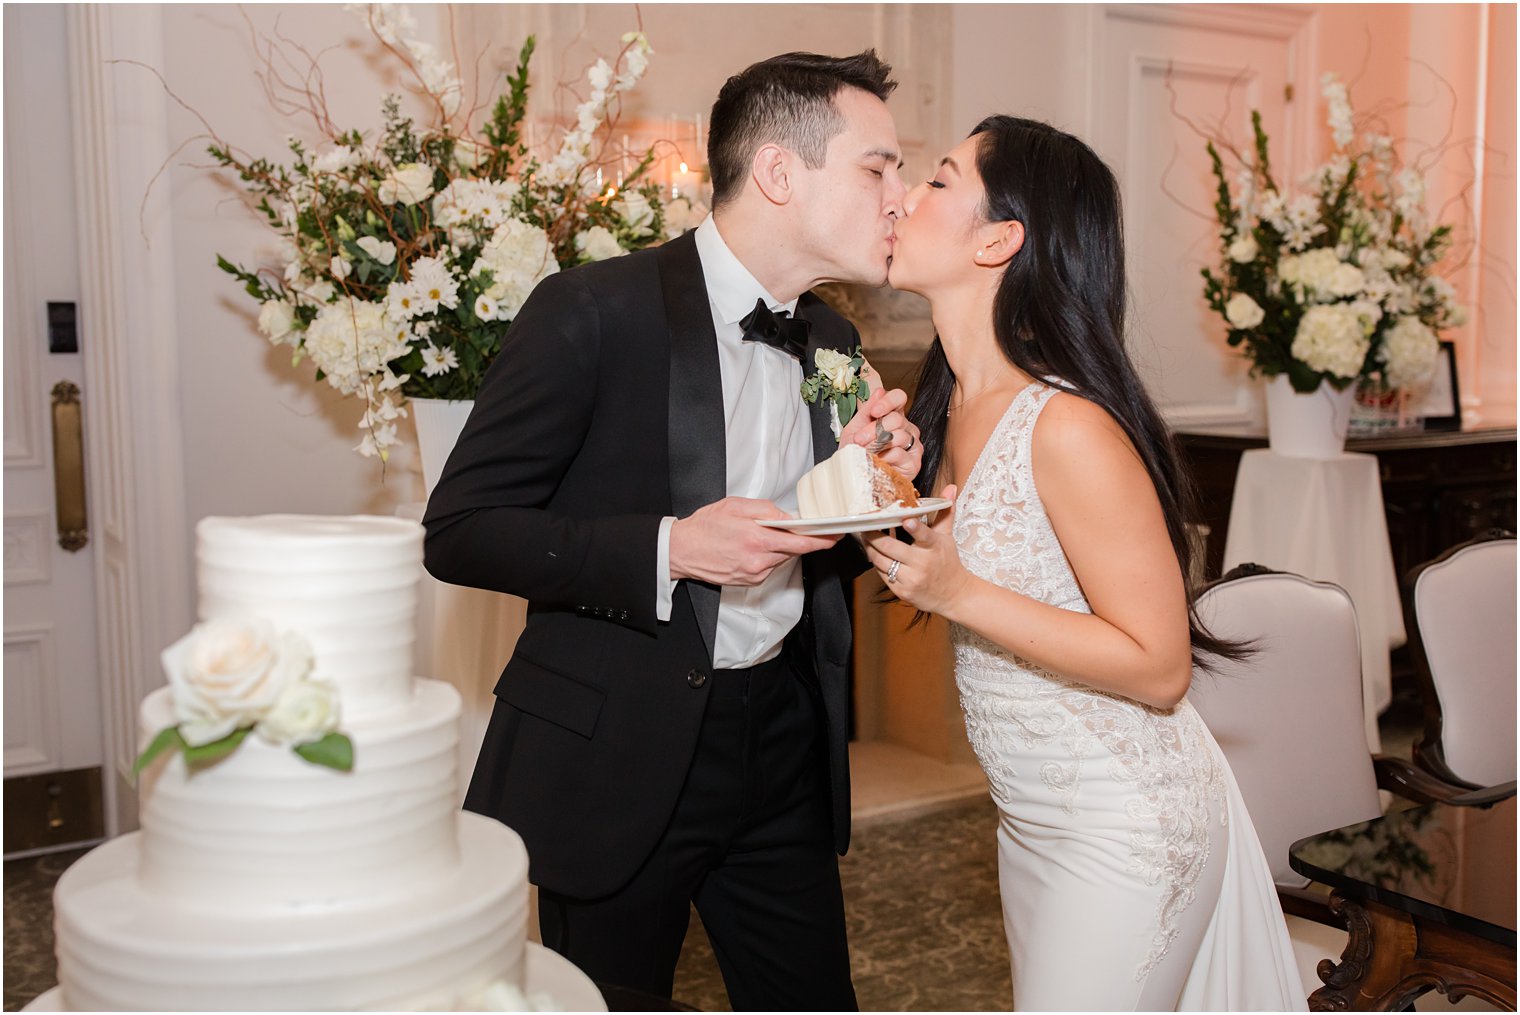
[722, 545]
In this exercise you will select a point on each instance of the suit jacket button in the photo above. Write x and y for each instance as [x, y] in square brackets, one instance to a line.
[696, 678]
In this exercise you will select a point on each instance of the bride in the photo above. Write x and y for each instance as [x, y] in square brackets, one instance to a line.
[1131, 877]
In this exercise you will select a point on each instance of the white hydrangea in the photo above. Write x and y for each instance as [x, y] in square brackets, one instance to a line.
[597, 244]
[1408, 353]
[352, 340]
[1331, 339]
[1321, 275]
[518, 256]
[1243, 312]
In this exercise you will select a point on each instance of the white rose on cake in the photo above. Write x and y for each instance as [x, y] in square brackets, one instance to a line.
[226, 674]
[305, 712]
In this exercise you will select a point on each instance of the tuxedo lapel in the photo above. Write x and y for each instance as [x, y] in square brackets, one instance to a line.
[824, 442]
[698, 461]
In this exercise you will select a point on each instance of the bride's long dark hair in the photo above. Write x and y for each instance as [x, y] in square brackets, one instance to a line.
[1059, 312]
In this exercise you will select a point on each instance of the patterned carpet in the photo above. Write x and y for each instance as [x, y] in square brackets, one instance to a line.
[926, 931]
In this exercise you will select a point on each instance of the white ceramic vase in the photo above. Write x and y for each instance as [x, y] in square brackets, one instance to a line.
[438, 424]
[1307, 426]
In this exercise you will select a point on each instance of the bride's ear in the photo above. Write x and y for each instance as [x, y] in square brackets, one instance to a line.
[1001, 240]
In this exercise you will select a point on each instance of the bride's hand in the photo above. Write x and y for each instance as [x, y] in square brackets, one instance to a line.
[927, 573]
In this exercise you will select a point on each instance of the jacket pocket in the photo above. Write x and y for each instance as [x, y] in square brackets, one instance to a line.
[551, 696]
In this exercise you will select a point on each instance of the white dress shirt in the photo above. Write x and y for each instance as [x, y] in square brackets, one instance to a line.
[769, 443]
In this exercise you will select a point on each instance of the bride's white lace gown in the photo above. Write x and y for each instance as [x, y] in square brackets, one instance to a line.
[1131, 877]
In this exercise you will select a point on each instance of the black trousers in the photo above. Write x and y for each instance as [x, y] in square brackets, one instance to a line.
[750, 843]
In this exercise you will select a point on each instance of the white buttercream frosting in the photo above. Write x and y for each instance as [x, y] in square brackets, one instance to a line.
[348, 584]
[837, 487]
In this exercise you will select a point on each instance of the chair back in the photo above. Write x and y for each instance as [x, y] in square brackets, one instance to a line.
[1289, 717]
[1463, 608]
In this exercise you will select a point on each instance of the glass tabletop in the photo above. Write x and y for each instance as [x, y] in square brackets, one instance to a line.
[1451, 864]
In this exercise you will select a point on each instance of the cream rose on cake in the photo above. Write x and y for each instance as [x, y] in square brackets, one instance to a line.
[233, 675]
[228, 673]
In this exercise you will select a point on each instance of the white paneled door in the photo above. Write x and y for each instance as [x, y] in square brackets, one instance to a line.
[52, 691]
[1160, 73]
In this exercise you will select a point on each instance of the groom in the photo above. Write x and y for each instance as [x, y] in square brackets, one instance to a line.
[672, 725]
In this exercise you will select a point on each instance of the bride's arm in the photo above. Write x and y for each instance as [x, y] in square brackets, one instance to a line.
[1103, 506]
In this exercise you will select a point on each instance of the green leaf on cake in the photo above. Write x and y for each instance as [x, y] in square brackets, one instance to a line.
[167, 737]
[334, 751]
[205, 754]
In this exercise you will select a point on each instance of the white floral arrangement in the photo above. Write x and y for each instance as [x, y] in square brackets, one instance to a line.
[406, 255]
[837, 379]
[230, 677]
[1337, 284]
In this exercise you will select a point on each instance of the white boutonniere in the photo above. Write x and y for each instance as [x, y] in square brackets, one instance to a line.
[838, 380]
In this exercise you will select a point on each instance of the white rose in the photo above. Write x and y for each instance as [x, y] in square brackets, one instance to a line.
[305, 712]
[1243, 312]
[635, 210]
[277, 320]
[835, 367]
[383, 251]
[1244, 249]
[226, 674]
[410, 183]
[597, 244]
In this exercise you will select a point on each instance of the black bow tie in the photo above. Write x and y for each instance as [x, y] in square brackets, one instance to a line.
[781, 331]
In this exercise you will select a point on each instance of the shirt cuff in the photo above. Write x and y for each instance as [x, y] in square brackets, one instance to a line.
[665, 588]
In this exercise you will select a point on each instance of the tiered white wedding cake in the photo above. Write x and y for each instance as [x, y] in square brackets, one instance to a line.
[262, 881]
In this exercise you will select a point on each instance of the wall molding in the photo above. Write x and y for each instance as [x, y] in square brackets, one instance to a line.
[31, 689]
[136, 480]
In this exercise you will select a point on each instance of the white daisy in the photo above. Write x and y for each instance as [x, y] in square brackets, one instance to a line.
[437, 361]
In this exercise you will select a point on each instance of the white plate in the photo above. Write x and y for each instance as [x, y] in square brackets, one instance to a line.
[889, 518]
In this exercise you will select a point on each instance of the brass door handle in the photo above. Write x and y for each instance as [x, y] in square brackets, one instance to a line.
[68, 467]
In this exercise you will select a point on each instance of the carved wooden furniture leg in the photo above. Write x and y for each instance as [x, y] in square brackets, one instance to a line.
[1392, 957]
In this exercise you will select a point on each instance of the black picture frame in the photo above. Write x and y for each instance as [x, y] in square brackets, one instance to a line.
[1440, 407]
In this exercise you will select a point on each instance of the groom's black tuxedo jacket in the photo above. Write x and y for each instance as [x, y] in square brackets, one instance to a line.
[602, 415]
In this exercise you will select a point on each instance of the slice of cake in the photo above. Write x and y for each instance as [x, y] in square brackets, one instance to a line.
[852, 482]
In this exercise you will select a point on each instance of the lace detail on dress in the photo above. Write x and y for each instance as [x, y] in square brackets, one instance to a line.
[1005, 537]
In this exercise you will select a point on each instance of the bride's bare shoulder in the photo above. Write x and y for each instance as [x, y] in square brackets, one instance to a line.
[1078, 440]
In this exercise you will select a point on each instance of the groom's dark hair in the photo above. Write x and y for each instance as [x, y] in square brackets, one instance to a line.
[786, 100]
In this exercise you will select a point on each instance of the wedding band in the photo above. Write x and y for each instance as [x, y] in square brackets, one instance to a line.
[892, 571]
[912, 440]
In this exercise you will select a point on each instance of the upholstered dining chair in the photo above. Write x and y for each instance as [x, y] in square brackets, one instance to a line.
[1460, 615]
[1289, 720]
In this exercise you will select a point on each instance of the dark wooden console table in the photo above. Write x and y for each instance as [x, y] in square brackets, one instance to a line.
[1439, 488]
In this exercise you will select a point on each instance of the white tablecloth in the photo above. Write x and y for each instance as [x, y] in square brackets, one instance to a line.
[465, 637]
[1323, 519]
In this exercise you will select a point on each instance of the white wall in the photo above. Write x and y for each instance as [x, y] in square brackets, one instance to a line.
[261, 436]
